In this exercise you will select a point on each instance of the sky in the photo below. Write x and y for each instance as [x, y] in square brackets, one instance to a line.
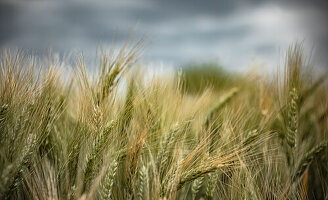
[234, 33]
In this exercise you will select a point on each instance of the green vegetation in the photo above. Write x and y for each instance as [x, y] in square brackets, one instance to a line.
[205, 134]
[197, 78]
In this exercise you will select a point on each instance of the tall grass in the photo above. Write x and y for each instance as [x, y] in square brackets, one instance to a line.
[117, 136]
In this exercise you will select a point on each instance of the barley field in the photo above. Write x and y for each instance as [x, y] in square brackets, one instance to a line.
[68, 134]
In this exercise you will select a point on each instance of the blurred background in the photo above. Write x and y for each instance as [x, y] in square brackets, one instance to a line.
[236, 33]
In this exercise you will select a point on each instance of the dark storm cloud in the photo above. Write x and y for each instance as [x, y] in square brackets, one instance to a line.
[232, 31]
[7, 14]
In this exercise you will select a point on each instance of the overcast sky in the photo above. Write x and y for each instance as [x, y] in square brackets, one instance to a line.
[233, 32]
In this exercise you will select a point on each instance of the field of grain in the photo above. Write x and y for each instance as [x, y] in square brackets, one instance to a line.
[66, 134]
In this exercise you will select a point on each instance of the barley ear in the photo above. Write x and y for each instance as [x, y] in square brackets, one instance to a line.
[108, 181]
[308, 158]
[141, 182]
[196, 185]
[313, 88]
[3, 111]
[251, 138]
[97, 147]
[210, 186]
[221, 102]
[292, 127]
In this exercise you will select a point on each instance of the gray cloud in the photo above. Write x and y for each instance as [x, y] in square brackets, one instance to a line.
[232, 32]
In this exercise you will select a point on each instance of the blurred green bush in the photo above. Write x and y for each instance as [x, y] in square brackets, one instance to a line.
[196, 78]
